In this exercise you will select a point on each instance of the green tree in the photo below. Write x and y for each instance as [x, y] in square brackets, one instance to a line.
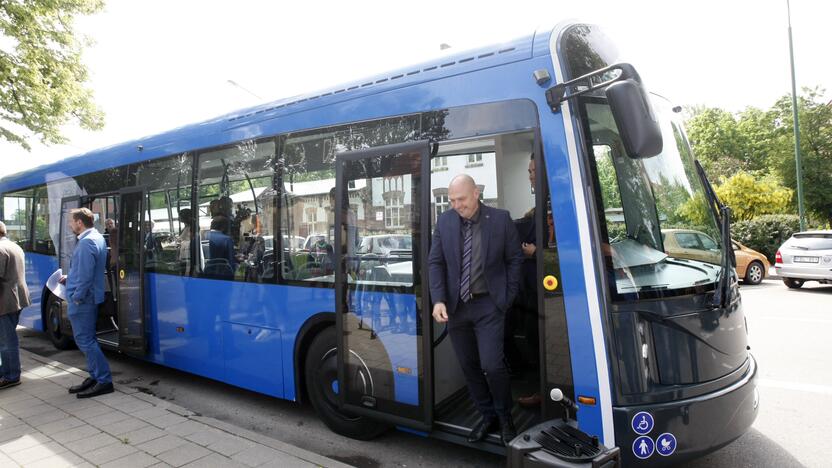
[41, 70]
[749, 197]
[815, 116]
[718, 143]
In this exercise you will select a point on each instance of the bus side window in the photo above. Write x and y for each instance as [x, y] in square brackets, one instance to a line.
[237, 203]
[168, 183]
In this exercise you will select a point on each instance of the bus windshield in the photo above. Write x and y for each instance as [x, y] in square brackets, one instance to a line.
[659, 234]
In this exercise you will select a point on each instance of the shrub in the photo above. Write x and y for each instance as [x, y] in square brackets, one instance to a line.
[766, 233]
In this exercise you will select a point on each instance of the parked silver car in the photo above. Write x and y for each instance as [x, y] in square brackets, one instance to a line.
[806, 256]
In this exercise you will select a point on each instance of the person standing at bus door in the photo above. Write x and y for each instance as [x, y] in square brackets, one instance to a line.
[221, 261]
[183, 252]
[527, 231]
[14, 296]
[474, 266]
[84, 292]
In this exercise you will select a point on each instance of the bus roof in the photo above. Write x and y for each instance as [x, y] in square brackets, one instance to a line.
[218, 131]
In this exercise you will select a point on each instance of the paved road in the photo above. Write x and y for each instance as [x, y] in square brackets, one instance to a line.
[791, 336]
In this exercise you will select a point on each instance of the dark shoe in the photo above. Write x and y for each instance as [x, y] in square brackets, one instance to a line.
[87, 383]
[531, 401]
[97, 389]
[507, 431]
[8, 383]
[482, 429]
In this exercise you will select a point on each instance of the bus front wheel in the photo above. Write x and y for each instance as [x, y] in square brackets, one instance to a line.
[56, 328]
[321, 372]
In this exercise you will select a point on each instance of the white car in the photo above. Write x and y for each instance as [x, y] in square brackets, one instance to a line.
[806, 256]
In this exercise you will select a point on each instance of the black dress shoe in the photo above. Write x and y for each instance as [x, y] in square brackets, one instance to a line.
[482, 429]
[97, 389]
[4, 383]
[507, 431]
[87, 383]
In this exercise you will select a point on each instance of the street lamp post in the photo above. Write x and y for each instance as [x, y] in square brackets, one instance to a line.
[797, 161]
[237, 85]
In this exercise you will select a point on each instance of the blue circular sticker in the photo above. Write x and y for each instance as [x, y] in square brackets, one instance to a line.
[642, 423]
[643, 447]
[666, 444]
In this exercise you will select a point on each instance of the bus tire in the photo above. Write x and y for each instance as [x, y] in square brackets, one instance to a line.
[793, 283]
[55, 326]
[754, 274]
[321, 374]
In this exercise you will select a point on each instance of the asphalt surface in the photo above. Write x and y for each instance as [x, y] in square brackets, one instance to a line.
[790, 335]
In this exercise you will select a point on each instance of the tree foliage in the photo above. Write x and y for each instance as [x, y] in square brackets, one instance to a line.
[761, 143]
[41, 73]
[749, 197]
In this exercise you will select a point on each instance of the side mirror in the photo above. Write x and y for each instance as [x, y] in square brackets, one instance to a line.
[635, 118]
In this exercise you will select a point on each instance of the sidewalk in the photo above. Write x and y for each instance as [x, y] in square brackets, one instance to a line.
[41, 425]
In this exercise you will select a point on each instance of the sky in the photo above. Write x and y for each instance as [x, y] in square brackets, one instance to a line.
[159, 64]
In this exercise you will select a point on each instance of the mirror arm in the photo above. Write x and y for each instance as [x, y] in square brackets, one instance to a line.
[557, 94]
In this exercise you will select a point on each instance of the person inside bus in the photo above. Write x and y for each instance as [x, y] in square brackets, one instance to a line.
[149, 241]
[526, 303]
[474, 266]
[221, 261]
[183, 251]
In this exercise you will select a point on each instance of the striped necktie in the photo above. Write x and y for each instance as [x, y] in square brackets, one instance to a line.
[467, 248]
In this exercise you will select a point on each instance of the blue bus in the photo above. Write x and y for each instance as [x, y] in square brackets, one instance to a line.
[329, 200]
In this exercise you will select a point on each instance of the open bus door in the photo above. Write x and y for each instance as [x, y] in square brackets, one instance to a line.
[68, 238]
[382, 299]
[131, 312]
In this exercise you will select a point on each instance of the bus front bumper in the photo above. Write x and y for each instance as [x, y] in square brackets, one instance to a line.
[700, 425]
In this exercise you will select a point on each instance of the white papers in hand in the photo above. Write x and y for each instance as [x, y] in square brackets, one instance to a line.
[54, 285]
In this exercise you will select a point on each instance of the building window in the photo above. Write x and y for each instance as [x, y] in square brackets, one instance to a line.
[393, 211]
[441, 205]
[439, 163]
[474, 160]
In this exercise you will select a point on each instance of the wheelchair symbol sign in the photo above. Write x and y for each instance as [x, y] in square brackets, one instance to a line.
[642, 423]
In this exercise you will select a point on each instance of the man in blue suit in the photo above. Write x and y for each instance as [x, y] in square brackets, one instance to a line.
[221, 261]
[84, 292]
[475, 263]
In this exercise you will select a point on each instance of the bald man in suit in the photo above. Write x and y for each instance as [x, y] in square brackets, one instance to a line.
[475, 263]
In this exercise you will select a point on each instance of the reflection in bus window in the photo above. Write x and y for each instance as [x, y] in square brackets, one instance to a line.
[234, 233]
[168, 184]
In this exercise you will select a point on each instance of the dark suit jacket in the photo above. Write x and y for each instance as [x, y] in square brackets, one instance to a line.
[220, 245]
[502, 257]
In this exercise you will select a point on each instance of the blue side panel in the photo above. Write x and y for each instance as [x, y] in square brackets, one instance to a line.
[393, 317]
[185, 323]
[582, 343]
[30, 317]
[250, 355]
[38, 269]
[240, 333]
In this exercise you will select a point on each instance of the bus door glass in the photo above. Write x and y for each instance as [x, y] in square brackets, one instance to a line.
[554, 337]
[381, 288]
[68, 239]
[130, 301]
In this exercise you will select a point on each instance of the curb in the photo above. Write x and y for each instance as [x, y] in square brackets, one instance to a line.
[275, 444]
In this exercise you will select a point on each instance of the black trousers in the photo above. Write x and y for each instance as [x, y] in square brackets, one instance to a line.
[477, 333]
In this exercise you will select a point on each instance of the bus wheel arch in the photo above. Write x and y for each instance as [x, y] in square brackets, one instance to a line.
[55, 326]
[317, 356]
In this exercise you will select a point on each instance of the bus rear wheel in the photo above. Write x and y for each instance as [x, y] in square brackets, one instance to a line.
[56, 327]
[321, 372]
